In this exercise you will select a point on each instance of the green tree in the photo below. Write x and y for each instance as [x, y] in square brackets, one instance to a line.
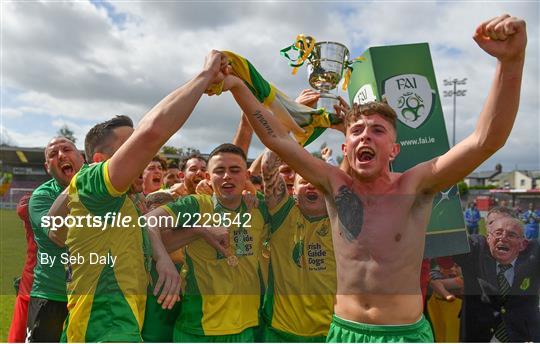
[181, 152]
[191, 151]
[317, 154]
[5, 139]
[463, 188]
[66, 132]
[169, 150]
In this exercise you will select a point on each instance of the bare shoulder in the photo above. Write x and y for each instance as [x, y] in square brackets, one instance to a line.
[410, 181]
[338, 179]
[409, 184]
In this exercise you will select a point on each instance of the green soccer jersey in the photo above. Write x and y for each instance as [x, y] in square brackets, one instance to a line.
[106, 298]
[49, 272]
[221, 297]
[302, 280]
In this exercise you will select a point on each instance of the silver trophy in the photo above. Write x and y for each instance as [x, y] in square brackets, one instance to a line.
[325, 68]
[327, 63]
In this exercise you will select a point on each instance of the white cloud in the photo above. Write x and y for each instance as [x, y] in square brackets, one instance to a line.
[12, 113]
[72, 62]
[27, 138]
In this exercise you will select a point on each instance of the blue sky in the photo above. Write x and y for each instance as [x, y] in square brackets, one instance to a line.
[78, 63]
[117, 18]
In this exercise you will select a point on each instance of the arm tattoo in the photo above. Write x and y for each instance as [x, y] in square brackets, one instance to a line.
[350, 212]
[259, 116]
[274, 185]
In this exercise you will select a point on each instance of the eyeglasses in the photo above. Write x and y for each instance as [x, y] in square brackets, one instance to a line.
[499, 233]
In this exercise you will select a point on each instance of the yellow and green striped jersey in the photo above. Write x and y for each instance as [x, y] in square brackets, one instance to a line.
[106, 300]
[302, 279]
[220, 299]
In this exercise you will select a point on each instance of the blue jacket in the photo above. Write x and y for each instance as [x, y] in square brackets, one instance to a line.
[472, 216]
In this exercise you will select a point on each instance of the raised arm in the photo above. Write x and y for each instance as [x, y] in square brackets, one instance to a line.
[242, 139]
[274, 136]
[505, 38]
[158, 125]
[255, 168]
[275, 189]
[243, 135]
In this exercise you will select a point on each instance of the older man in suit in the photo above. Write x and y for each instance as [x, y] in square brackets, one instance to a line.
[502, 280]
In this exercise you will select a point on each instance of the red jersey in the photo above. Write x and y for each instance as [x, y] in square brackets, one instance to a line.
[27, 277]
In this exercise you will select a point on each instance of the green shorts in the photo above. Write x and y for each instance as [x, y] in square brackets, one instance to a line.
[271, 335]
[246, 336]
[158, 323]
[346, 331]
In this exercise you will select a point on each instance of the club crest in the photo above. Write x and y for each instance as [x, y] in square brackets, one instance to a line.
[323, 231]
[525, 284]
[411, 97]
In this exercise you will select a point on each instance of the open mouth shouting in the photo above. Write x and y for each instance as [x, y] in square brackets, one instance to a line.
[67, 168]
[502, 248]
[312, 196]
[365, 155]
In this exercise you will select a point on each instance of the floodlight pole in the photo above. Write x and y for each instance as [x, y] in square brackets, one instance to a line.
[454, 93]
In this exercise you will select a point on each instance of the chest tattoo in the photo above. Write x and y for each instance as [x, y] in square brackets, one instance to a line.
[350, 212]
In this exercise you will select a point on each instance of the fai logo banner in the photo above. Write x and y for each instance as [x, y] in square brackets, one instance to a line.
[411, 97]
[365, 94]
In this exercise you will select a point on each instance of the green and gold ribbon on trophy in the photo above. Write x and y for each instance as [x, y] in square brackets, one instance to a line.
[304, 122]
[328, 61]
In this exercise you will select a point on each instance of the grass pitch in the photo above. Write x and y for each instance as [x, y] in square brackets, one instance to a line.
[12, 257]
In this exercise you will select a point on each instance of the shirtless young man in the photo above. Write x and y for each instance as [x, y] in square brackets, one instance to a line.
[379, 256]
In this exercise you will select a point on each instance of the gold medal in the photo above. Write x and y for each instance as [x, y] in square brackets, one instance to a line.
[266, 250]
[232, 260]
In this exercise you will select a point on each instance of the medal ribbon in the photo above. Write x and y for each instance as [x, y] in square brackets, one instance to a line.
[240, 246]
[298, 247]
